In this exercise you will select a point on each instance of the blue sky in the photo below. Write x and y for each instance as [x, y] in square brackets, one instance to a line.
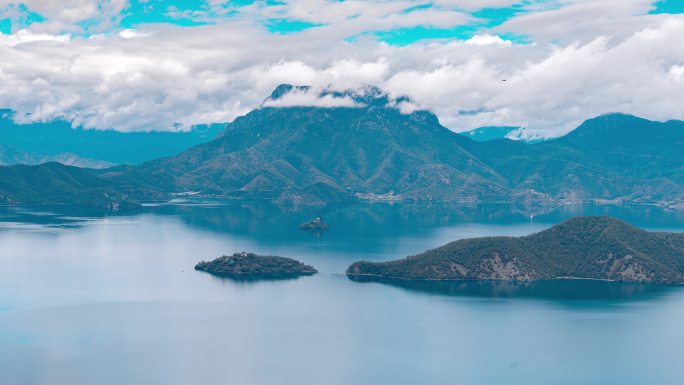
[159, 12]
[136, 65]
[669, 6]
[189, 13]
[22, 18]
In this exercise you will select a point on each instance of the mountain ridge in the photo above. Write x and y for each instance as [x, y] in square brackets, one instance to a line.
[10, 157]
[375, 151]
[317, 155]
[56, 184]
[601, 248]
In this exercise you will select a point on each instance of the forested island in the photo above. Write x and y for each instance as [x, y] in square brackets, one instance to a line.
[315, 225]
[582, 248]
[251, 266]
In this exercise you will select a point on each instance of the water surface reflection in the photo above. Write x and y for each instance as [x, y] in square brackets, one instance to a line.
[561, 290]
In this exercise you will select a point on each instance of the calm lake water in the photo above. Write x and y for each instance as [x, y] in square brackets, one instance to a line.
[115, 300]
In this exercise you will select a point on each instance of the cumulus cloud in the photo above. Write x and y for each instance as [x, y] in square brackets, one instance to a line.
[60, 16]
[311, 97]
[24, 36]
[677, 72]
[476, 4]
[581, 20]
[130, 33]
[487, 39]
[163, 77]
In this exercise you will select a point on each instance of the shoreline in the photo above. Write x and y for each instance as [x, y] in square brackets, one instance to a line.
[381, 277]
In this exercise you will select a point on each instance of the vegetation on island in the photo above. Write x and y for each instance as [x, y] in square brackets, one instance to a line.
[251, 266]
[583, 247]
[315, 225]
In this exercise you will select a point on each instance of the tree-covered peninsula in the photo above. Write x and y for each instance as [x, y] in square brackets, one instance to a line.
[583, 247]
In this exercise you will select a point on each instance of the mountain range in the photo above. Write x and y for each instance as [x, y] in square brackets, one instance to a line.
[10, 156]
[373, 151]
[57, 184]
[316, 155]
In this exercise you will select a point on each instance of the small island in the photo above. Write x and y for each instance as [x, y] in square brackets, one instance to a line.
[249, 266]
[599, 248]
[314, 225]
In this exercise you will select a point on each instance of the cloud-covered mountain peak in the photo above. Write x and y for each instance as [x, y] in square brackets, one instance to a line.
[284, 89]
[288, 95]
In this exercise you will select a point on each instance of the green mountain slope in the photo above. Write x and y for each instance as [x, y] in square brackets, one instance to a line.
[316, 155]
[319, 155]
[613, 157]
[582, 247]
[57, 184]
[631, 146]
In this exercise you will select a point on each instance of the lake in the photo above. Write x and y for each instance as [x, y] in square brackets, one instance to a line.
[86, 299]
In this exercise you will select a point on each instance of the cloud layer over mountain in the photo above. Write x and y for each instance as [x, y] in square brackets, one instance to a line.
[547, 66]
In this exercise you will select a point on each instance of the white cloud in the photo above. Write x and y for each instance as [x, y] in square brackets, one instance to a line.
[343, 19]
[311, 97]
[66, 15]
[355, 72]
[425, 17]
[487, 39]
[130, 33]
[581, 20]
[677, 72]
[476, 4]
[407, 107]
[157, 76]
[24, 36]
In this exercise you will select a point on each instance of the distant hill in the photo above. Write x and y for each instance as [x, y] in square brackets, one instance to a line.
[582, 247]
[371, 152]
[53, 139]
[615, 157]
[631, 146]
[57, 184]
[9, 157]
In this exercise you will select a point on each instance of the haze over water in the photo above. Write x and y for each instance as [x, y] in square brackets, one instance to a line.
[115, 300]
